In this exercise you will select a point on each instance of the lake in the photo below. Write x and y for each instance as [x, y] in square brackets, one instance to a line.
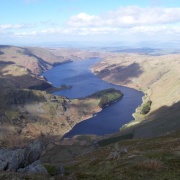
[84, 83]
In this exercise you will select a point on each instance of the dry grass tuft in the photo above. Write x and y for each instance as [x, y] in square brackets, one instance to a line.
[150, 164]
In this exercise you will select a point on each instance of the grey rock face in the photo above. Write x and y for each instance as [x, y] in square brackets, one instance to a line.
[32, 153]
[23, 160]
[3, 165]
[35, 167]
[11, 160]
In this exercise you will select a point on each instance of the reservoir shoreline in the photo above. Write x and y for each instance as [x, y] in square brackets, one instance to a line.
[84, 82]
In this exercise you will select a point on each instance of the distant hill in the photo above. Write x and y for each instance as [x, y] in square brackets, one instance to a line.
[38, 60]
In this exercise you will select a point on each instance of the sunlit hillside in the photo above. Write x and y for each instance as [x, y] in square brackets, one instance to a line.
[158, 77]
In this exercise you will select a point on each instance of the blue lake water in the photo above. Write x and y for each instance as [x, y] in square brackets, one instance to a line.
[84, 83]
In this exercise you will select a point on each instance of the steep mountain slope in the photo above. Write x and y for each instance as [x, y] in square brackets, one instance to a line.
[14, 76]
[27, 111]
[158, 77]
[26, 114]
[22, 57]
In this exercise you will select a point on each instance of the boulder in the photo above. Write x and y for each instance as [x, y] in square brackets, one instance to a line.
[24, 159]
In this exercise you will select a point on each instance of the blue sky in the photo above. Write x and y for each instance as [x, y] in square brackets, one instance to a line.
[53, 21]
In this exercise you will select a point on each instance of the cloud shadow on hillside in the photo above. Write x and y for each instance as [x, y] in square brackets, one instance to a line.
[163, 120]
[17, 88]
[6, 62]
[121, 74]
[1, 53]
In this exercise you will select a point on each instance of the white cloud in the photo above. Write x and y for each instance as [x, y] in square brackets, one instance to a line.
[83, 19]
[138, 31]
[127, 17]
[150, 29]
[25, 34]
[15, 26]
[126, 23]
[70, 31]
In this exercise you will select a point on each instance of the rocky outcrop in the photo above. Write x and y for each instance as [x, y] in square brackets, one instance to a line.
[11, 160]
[35, 167]
[32, 153]
[22, 160]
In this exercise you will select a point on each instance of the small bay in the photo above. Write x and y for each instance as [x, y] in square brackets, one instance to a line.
[84, 83]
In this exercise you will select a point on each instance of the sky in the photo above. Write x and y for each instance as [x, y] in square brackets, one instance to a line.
[57, 21]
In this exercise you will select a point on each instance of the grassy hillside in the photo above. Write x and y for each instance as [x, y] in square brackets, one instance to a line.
[158, 77]
[155, 158]
[132, 159]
